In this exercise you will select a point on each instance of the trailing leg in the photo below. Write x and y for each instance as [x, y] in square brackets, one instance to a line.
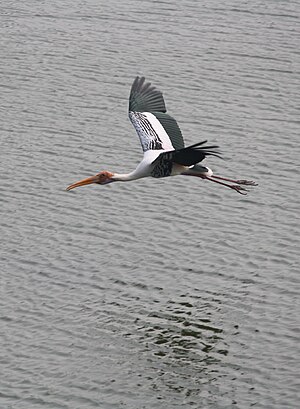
[237, 188]
[239, 182]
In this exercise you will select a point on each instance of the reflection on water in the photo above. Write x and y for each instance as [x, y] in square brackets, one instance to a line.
[183, 344]
[178, 334]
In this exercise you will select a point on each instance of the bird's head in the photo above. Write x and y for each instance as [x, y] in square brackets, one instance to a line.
[102, 178]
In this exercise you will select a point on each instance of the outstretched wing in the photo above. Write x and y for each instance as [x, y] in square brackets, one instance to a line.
[147, 111]
[189, 156]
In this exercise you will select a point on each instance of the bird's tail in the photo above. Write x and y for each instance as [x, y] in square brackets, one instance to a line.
[195, 153]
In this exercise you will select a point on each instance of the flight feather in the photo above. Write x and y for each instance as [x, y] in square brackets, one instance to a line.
[156, 129]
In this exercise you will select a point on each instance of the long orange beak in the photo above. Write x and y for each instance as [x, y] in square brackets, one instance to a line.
[83, 182]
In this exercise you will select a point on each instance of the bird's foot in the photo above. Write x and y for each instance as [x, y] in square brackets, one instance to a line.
[241, 190]
[246, 182]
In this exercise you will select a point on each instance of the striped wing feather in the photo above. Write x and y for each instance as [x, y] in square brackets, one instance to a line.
[147, 112]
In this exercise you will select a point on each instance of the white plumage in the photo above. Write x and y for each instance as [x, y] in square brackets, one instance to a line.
[150, 131]
[162, 144]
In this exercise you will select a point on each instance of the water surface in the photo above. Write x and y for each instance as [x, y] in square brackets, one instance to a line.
[157, 293]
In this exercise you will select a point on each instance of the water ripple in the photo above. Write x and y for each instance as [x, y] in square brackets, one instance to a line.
[158, 293]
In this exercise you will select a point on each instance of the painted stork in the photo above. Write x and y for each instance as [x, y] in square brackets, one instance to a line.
[162, 144]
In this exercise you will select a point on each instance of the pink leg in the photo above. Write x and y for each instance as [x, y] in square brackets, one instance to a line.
[237, 188]
[239, 182]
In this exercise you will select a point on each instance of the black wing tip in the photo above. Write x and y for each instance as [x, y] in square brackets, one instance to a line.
[138, 83]
[142, 86]
[144, 95]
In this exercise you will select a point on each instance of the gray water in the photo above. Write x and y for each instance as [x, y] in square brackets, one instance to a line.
[170, 293]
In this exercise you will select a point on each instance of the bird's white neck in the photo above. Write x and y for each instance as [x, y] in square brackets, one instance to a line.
[124, 177]
[142, 170]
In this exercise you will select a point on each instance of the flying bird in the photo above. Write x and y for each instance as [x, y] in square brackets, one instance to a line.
[162, 144]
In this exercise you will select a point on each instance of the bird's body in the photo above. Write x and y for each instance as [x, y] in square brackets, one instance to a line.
[148, 167]
[162, 143]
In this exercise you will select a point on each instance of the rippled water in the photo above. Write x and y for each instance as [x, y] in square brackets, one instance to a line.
[157, 293]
